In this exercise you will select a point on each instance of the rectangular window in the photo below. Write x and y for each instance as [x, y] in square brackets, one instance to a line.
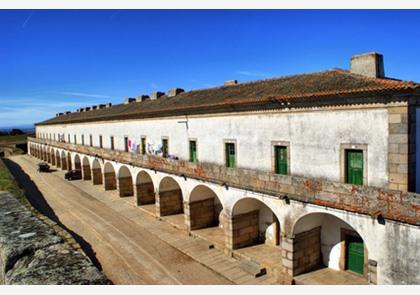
[111, 139]
[126, 143]
[193, 151]
[143, 145]
[230, 154]
[54, 136]
[83, 139]
[280, 159]
[100, 141]
[75, 139]
[90, 140]
[165, 149]
[354, 167]
[68, 138]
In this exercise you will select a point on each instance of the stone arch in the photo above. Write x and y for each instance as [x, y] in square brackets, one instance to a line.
[57, 159]
[86, 169]
[170, 201]
[52, 153]
[77, 163]
[125, 182]
[252, 222]
[110, 180]
[145, 189]
[204, 209]
[96, 172]
[63, 160]
[322, 239]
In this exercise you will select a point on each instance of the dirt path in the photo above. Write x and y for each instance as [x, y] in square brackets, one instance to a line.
[126, 252]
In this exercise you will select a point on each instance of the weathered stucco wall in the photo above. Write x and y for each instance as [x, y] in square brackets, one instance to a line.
[314, 136]
[32, 253]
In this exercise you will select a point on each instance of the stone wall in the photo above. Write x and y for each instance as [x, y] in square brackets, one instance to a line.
[31, 253]
[125, 186]
[374, 201]
[305, 254]
[97, 176]
[242, 230]
[170, 203]
[110, 181]
[200, 214]
[398, 147]
[86, 172]
[145, 193]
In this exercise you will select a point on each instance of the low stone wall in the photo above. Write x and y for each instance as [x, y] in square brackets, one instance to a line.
[145, 193]
[110, 181]
[86, 172]
[32, 253]
[63, 164]
[170, 203]
[391, 204]
[200, 214]
[242, 230]
[305, 254]
[125, 186]
[97, 176]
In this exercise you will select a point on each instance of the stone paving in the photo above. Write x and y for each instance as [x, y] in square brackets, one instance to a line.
[328, 276]
[168, 230]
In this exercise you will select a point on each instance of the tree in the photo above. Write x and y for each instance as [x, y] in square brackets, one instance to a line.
[16, 132]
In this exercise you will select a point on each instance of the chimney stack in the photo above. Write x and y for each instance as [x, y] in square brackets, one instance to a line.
[174, 92]
[369, 64]
[129, 100]
[156, 95]
[142, 98]
[230, 82]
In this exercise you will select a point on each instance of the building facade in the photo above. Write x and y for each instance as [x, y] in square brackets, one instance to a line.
[319, 167]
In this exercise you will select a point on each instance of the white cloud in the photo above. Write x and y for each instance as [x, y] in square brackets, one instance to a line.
[85, 94]
[252, 74]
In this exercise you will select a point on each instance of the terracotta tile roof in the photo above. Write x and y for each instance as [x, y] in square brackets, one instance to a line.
[262, 94]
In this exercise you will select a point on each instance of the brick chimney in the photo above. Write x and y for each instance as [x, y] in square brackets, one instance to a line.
[369, 64]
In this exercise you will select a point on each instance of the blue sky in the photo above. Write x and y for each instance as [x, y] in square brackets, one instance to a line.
[58, 60]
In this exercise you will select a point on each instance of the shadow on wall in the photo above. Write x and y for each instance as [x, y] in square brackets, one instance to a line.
[38, 201]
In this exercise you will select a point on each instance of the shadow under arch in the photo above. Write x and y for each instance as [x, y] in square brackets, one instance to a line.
[170, 200]
[324, 240]
[253, 222]
[145, 189]
[125, 182]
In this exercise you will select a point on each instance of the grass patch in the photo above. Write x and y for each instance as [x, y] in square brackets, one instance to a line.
[8, 183]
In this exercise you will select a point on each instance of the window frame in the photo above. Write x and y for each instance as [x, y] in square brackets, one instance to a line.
[235, 145]
[344, 147]
[167, 151]
[112, 142]
[189, 150]
[286, 144]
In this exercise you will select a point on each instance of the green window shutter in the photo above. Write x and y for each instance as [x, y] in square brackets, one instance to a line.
[281, 160]
[354, 167]
[355, 255]
[193, 151]
[230, 155]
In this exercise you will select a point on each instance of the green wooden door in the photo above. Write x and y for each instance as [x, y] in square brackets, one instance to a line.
[230, 155]
[193, 151]
[281, 160]
[355, 255]
[354, 167]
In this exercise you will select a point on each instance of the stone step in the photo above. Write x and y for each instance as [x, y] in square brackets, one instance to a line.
[252, 268]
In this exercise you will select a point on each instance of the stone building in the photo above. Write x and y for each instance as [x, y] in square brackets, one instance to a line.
[318, 169]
